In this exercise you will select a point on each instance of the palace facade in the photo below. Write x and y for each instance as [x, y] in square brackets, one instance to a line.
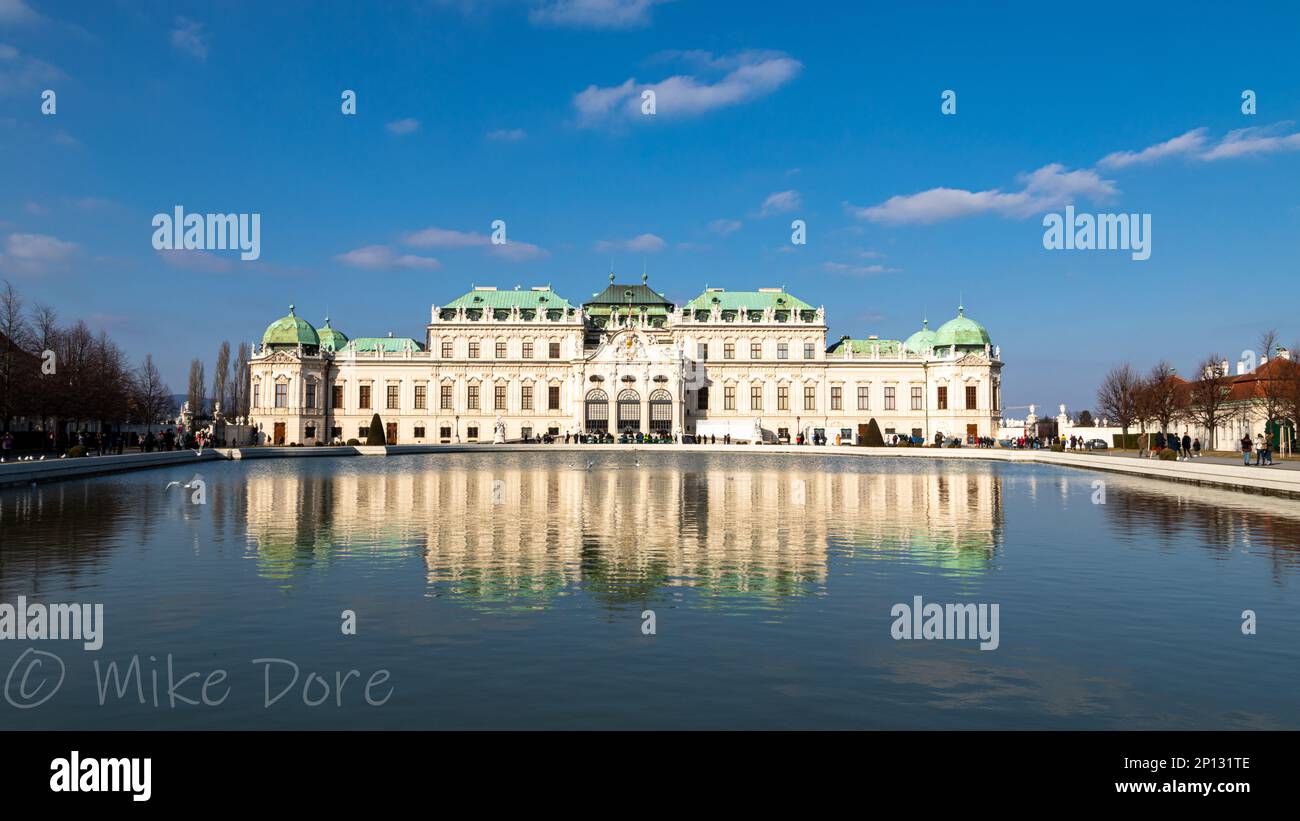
[517, 364]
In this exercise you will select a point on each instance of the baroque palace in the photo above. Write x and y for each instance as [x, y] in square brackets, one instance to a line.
[518, 364]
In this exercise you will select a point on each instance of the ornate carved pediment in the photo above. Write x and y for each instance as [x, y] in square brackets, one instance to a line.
[972, 359]
[281, 358]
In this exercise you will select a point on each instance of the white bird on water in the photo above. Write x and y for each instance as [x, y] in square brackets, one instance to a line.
[186, 486]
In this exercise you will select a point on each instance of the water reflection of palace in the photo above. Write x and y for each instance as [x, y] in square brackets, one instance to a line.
[619, 530]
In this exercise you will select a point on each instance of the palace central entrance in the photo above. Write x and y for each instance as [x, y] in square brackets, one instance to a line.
[629, 412]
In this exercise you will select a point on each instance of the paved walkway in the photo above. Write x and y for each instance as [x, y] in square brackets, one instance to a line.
[1278, 464]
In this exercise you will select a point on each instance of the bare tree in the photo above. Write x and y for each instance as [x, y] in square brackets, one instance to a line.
[1165, 395]
[1208, 396]
[195, 395]
[221, 375]
[14, 342]
[1269, 389]
[153, 398]
[1117, 398]
[239, 386]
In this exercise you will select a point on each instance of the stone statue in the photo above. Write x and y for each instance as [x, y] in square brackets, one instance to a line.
[758, 430]
[499, 433]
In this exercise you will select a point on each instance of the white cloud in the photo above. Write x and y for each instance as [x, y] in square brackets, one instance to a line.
[781, 202]
[404, 126]
[856, 270]
[17, 11]
[373, 257]
[35, 253]
[443, 238]
[189, 37]
[507, 135]
[519, 251]
[1049, 187]
[20, 74]
[1260, 140]
[599, 14]
[1190, 143]
[748, 76]
[195, 260]
[724, 226]
[645, 243]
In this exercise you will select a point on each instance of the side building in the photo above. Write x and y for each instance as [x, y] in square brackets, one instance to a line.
[742, 364]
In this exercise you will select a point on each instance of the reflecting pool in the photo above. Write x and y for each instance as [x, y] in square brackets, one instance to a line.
[644, 589]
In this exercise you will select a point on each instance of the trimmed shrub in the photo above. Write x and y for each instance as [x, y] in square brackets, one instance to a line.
[354, 442]
[1168, 455]
[874, 438]
[76, 451]
[375, 436]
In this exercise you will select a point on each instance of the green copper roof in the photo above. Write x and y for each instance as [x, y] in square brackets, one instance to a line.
[330, 339]
[961, 332]
[493, 299]
[387, 344]
[637, 295]
[864, 347]
[753, 300]
[922, 339]
[290, 331]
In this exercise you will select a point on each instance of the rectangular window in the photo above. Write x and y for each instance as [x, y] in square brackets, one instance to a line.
[553, 397]
[555, 350]
[889, 399]
[446, 350]
[729, 397]
[729, 350]
[864, 397]
[526, 398]
[756, 397]
[837, 397]
[782, 350]
[420, 397]
[281, 395]
[362, 431]
[703, 396]
[311, 394]
[501, 350]
[703, 352]
[444, 399]
[472, 399]
[809, 397]
[253, 403]
[444, 433]
[970, 397]
[419, 433]
[782, 398]
[336, 432]
[499, 396]
[471, 432]
[528, 350]
[942, 401]
[756, 350]
[394, 396]
[364, 400]
[916, 398]
[808, 351]
[473, 350]
[338, 396]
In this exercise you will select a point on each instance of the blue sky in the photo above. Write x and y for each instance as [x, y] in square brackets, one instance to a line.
[528, 111]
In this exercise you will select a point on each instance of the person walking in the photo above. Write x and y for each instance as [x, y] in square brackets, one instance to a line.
[1187, 447]
[1260, 447]
[1245, 450]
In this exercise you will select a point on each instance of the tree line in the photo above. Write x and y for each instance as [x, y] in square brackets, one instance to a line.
[1159, 399]
[67, 377]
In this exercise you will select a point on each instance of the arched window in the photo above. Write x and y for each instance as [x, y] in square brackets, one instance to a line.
[629, 411]
[661, 412]
[596, 411]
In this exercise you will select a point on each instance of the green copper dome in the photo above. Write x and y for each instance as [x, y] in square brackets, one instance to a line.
[922, 339]
[290, 331]
[961, 332]
[330, 339]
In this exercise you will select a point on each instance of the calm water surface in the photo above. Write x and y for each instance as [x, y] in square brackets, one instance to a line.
[505, 590]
